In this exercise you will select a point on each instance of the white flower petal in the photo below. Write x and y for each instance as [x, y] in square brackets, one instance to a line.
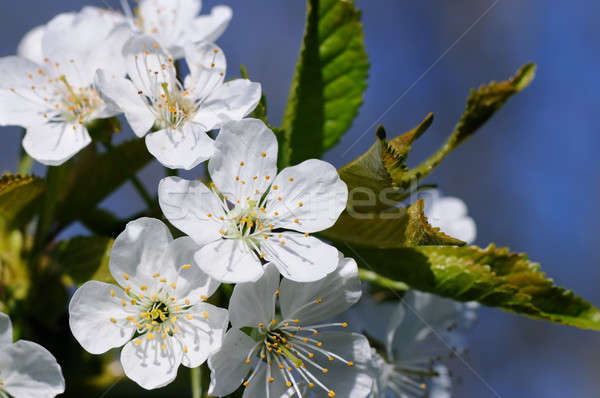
[53, 144]
[152, 363]
[300, 258]
[229, 261]
[107, 55]
[29, 370]
[227, 366]
[244, 149]
[191, 282]
[232, 100]
[191, 207]
[348, 381]
[210, 27]
[183, 148]
[30, 46]
[207, 65]
[309, 197]
[97, 317]
[6, 337]
[71, 38]
[203, 334]
[168, 20]
[339, 291]
[145, 59]
[137, 251]
[254, 302]
[259, 387]
[122, 94]
[449, 214]
[20, 104]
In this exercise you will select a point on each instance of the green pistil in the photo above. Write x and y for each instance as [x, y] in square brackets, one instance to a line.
[70, 89]
[297, 361]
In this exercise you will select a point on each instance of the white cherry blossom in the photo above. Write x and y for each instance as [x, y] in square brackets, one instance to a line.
[175, 23]
[27, 370]
[158, 312]
[287, 351]
[421, 331]
[449, 214]
[180, 113]
[250, 214]
[49, 89]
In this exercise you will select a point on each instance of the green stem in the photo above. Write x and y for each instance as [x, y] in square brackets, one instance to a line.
[25, 165]
[370, 276]
[196, 380]
[171, 172]
[132, 177]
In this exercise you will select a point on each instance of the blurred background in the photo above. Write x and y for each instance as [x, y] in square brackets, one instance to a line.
[529, 177]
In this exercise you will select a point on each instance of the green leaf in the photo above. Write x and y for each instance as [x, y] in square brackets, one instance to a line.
[96, 175]
[19, 197]
[481, 106]
[331, 76]
[493, 276]
[260, 112]
[396, 228]
[84, 258]
[374, 179]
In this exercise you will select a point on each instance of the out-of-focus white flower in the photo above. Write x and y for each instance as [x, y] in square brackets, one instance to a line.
[27, 370]
[246, 213]
[422, 329]
[49, 89]
[181, 113]
[449, 214]
[287, 352]
[158, 313]
[176, 23]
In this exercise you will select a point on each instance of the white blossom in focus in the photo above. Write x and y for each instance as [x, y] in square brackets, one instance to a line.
[250, 214]
[287, 351]
[176, 23]
[449, 214]
[49, 89]
[180, 113]
[27, 370]
[158, 311]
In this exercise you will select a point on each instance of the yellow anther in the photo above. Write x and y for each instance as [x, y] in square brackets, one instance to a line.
[310, 355]
[241, 163]
[330, 359]
[187, 301]
[267, 177]
[175, 330]
[173, 319]
[150, 336]
[124, 303]
[126, 277]
[273, 322]
[271, 380]
[350, 363]
[319, 344]
[331, 393]
[189, 317]
[185, 349]
[173, 285]
[325, 370]
[276, 292]
[300, 204]
[144, 288]
[260, 324]
[128, 289]
[345, 325]
[423, 386]
[263, 155]
[137, 341]
[113, 320]
[291, 179]
[247, 360]
[245, 384]
[163, 347]
[319, 300]
[155, 275]
[311, 385]
[112, 293]
[133, 301]
[288, 384]
[279, 198]
[202, 297]
[209, 215]
[187, 266]
[296, 320]
[306, 234]
[163, 280]
[205, 315]
[275, 187]
[296, 220]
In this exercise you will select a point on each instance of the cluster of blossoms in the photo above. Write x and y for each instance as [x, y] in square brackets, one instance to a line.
[251, 225]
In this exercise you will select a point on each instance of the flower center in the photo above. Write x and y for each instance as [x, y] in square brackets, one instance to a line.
[172, 106]
[295, 351]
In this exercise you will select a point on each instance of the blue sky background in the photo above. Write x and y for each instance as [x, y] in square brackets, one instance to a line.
[530, 176]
